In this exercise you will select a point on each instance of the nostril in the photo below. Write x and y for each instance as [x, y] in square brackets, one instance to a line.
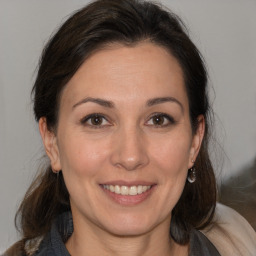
[129, 166]
[129, 150]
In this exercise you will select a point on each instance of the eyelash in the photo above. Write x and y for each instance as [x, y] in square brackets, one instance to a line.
[170, 120]
[84, 120]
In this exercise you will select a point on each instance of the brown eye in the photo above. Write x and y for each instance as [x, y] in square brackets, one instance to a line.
[96, 120]
[158, 120]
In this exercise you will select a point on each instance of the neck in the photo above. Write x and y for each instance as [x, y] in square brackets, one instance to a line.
[92, 240]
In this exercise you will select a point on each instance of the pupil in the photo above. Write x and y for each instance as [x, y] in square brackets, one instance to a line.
[97, 120]
[158, 120]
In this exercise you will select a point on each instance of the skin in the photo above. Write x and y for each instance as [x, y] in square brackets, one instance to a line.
[128, 145]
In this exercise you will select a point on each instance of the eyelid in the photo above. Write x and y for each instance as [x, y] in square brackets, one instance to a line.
[170, 119]
[85, 119]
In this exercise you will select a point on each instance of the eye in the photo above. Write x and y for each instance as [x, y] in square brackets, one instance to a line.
[95, 120]
[160, 120]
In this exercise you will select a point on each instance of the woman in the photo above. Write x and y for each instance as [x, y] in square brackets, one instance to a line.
[122, 105]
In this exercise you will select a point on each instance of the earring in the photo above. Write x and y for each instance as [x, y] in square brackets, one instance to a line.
[56, 172]
[191, 175]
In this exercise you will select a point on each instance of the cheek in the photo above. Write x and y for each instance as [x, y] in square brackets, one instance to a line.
[172, 153]
[171, 161]
[81, 156]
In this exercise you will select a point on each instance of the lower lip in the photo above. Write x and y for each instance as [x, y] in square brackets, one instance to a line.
[128, 200]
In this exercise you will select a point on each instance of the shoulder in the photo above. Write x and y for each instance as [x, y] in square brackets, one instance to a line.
[231, 233]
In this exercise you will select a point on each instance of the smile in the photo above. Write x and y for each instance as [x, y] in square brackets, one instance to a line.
[127, 190]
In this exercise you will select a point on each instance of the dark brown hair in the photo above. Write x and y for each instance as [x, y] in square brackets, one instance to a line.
[126, 22]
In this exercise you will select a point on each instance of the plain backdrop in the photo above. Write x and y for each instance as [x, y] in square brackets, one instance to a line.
[224, 31]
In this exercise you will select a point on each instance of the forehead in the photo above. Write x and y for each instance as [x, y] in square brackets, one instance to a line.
[128, 72]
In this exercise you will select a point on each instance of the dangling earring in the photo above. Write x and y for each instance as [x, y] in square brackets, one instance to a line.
[192, 174]
[56, 172]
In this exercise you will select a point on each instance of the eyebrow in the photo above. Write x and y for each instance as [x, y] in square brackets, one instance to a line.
[160, 100]
[110, 104]
[104, 103]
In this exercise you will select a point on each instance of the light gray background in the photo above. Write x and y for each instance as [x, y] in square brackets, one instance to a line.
[224, 31]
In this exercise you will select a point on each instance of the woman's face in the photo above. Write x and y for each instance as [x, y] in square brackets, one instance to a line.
[124, 141]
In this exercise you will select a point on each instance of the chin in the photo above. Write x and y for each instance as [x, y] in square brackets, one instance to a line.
[130, 226]
[128, 230]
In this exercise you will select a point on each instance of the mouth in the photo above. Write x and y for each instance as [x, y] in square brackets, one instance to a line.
[127, 190]
[128, 194]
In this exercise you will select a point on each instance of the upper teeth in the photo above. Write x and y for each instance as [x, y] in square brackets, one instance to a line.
[125, 190]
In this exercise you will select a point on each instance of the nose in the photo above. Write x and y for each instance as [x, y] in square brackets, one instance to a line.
[129, 150]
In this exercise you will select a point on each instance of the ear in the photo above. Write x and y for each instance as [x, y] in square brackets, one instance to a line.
[197, 140]
[50, 144]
